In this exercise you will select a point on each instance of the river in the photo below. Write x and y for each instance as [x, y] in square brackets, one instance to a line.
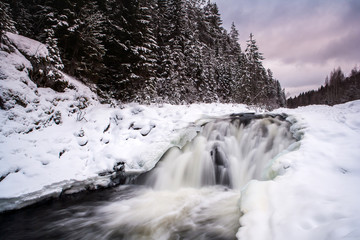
[192, 193]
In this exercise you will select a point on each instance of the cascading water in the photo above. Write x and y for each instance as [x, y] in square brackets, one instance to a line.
[227, 152]
[192, 193]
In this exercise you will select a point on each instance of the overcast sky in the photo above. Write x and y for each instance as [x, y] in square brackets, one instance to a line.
[302, 40]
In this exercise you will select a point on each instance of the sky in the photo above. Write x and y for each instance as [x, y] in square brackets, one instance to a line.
[302, 40]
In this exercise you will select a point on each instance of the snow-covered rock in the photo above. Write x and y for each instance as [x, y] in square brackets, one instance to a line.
[28, 46]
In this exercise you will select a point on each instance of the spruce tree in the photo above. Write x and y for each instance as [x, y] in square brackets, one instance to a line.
[22, 14]
[146, 46]
[48, 21]
[82, 41]
[255, 71]
[6, 22]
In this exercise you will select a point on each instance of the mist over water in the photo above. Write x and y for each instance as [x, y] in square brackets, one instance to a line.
[192, 193]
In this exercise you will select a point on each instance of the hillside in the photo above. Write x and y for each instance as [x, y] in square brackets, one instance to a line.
[148, 51]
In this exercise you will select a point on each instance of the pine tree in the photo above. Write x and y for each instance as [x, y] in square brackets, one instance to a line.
[6, 22]
[255, 71]
[163, 50]
[234, 33]
[131, 41]
[336, 78]
[146, 49]
[48, 21]
[83, 41]
[211, 35]
[237, 62]
[116, 57]
[176, 16]
[213, 19]
[22, 15]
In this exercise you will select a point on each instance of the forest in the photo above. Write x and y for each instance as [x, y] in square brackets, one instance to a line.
[336, 89]
[163, 51]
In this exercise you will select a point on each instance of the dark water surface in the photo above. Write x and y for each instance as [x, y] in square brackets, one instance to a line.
[70, 217]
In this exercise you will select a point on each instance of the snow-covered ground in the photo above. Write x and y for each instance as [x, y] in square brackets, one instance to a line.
[318, 196]
[51, 142]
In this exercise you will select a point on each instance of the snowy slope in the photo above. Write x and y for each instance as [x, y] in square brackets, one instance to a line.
[51, 142]
[54, 141]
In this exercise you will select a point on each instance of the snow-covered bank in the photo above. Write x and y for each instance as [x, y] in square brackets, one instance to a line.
[318, 195]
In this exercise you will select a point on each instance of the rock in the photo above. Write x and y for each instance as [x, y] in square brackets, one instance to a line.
[105, 140]
[81, 133]
[57, 117]
[61, 153]
[82, 141]
[107, 128]
[147, 129]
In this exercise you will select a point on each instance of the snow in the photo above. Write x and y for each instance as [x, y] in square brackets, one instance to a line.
[28, 46]
[317, 197]
[52, 142]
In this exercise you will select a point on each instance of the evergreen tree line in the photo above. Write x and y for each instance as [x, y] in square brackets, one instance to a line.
[336, 89]
[173, 51]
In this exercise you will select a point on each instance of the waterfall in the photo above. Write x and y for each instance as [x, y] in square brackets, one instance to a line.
[227, 152]
[194, 192]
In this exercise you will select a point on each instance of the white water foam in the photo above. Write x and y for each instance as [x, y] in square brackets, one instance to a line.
[226, 152]
[206, 213]
[196, 190]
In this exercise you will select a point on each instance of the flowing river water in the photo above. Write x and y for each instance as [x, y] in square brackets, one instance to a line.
[192, 193]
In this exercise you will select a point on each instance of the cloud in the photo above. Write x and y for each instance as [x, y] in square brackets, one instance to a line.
[302, 40]
[294, 75]
[346, 47]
